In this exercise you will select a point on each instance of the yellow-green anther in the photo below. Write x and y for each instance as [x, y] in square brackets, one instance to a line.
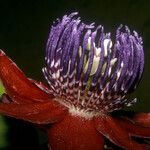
[95, 62]
[95, 65]
[119, 73]
[84, 61]
[80, 51]
[86, 66]
[106, 42]
[88, 47]
[113, 61]
[103, 68]
[97, 51]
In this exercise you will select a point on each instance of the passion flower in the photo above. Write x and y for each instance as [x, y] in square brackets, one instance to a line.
[89, 76]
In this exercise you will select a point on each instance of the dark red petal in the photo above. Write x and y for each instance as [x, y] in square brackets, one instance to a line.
[16, 83]
[142, 119]
[74, 133]
[110, 128]
[40, 113]
[133, 128]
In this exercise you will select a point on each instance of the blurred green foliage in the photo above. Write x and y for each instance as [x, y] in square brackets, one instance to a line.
[1, 89]
[3, 133]
[3, 126]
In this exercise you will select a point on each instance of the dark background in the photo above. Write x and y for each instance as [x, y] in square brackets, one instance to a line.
[24, 27]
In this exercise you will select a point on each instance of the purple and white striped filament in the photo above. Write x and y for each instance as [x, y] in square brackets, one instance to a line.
[87, 70]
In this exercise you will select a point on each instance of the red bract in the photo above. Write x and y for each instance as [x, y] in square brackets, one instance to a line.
[86, 83]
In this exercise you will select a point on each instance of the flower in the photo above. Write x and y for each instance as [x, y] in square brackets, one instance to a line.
[88, 78]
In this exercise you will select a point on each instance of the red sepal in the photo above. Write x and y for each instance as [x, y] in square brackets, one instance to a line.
[133, 128]
[39, 113]
[142, 119]
[117, 134]
[17, 84]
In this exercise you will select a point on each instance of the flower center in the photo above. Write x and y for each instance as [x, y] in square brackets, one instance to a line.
[86, 71]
